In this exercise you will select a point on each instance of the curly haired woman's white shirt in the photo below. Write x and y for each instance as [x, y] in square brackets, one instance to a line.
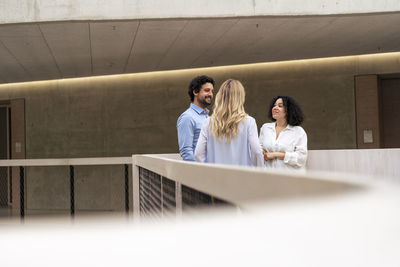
[292, 140]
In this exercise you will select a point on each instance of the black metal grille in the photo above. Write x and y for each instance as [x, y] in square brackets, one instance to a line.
[158, 196]
[150, 193]
[169, 194]
[191, 198]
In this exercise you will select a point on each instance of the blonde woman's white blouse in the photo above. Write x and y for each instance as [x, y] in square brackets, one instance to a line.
[292, 140]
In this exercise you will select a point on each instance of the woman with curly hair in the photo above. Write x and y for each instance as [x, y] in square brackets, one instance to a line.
[284, 141]
[229, 136]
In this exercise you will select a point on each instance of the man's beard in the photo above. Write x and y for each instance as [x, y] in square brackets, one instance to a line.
[204, 102]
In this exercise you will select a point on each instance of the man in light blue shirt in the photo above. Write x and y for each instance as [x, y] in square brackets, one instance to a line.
[190, 122]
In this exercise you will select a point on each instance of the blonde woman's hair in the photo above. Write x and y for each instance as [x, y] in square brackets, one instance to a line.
[228, 110]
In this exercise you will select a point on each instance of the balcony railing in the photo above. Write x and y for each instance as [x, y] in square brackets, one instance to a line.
[164, 185]
[19, 203]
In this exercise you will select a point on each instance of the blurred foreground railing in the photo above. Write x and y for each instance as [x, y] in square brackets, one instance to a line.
[166, 184]
[163, 184]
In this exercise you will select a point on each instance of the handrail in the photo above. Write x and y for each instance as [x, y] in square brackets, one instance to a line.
[66, 161]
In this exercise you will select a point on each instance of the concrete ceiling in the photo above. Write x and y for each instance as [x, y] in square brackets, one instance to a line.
[42, 51]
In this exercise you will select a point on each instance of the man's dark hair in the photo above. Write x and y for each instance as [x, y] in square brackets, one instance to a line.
[294, 114]
[197, 83]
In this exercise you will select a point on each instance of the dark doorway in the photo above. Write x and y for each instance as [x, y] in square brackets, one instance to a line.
[378, 110]
[5, 186]
[12, 146]
[390, 111]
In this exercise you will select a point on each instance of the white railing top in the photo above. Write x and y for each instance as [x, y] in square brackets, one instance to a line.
[66, 162]
[343, 172]
[245, 185]
[378, 163]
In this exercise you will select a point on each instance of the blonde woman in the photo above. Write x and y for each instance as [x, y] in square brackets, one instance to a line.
[229, 136]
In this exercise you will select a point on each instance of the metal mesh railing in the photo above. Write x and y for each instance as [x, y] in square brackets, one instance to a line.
[150, 192]
[168, 196]
[157, 194]
[160, 196]
[192, 198]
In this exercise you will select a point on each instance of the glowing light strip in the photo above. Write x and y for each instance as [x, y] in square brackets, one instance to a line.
[202, 70]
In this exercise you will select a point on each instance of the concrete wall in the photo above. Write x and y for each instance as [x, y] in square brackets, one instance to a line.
[367, 110]
[22, 11]
[132, 114]
[123, 115]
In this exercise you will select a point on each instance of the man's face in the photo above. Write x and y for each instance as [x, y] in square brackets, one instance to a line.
[205, 95]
